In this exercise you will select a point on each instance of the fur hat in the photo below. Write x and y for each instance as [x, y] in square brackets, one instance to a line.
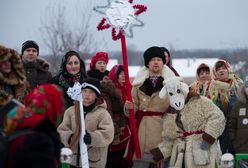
[153, 52]
[30, 44]
[17, 74]
[5, 53]
[98, 56]
[93, 84]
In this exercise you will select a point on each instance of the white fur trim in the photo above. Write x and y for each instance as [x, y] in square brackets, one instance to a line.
[143, 74]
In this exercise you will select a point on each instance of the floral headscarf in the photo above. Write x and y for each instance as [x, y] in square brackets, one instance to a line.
[113, 75]
[44, 102]
[198, 86]
[66, 79]
[225, 88]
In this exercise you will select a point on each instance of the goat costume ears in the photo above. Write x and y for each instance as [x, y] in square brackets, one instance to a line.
[173, 83]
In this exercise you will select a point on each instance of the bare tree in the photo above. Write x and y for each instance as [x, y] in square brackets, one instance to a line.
[65, 30]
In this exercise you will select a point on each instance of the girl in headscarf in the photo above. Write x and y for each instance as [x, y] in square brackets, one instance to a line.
[224, 91]
[122, 131]
[72, 70]
[37, 143]
[203, 80]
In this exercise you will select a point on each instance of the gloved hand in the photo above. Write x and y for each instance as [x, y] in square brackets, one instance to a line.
[157, 154]
[87, 138]
[204, 145]
[147, 156]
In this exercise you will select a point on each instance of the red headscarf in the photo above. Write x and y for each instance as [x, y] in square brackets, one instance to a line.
[113, 75]
[44, 102]
[98, 56]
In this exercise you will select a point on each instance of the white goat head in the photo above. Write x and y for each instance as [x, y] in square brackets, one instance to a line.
[176, 91]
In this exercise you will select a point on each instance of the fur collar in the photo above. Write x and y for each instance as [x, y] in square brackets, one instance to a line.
[17, 75]
[143, 74]
[148, 87]
[43, 63]
[39, 63]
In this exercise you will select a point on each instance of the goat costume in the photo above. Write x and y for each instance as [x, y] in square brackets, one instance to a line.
[190, 128]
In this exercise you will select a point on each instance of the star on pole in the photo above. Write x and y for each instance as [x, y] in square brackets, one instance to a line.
[121, 16]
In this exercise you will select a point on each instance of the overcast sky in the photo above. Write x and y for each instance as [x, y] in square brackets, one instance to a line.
[181, 24]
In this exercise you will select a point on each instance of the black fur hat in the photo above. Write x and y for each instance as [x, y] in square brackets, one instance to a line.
[153, 52]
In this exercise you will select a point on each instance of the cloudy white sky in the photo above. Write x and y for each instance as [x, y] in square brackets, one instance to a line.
[181, 24]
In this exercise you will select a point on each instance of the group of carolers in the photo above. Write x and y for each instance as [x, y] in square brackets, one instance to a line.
[55, 117]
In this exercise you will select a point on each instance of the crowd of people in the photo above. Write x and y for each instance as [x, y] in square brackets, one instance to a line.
[43, 118]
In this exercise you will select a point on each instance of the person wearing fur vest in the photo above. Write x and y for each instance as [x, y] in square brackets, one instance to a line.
[12, 76]
[190, 128]
[148, 107]
[98, 124]
[36, 68]
[238, 124]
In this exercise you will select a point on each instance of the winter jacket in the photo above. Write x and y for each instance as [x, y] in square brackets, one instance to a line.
[224, 95]
[98, 124]
[113, 99]
[200, 120]
[150, 128]
[37, 72]
[225, 100]
[238, 123]
[12, 85]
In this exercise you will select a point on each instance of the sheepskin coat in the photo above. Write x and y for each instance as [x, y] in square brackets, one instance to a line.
[238, 124]
[12, 85]
[198, 114]
[150, 128]
[114, 102]
[98, 124]
[37, 72]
